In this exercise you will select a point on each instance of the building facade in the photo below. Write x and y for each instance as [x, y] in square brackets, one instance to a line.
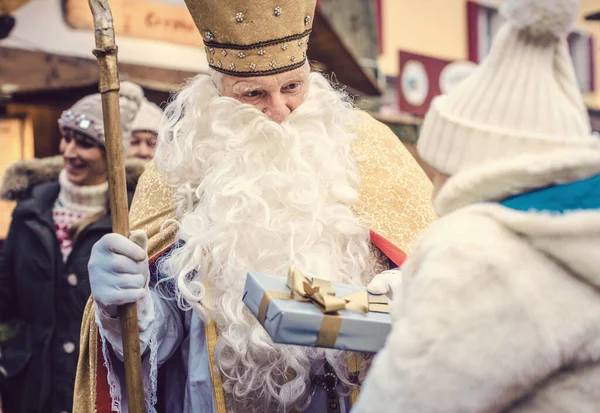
[428, 46]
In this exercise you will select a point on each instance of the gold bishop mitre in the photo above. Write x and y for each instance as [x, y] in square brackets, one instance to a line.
[254, 37]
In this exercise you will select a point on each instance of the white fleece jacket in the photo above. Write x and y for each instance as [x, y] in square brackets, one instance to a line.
[501, 309]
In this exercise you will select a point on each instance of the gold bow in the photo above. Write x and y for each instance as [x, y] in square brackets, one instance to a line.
[321, 294]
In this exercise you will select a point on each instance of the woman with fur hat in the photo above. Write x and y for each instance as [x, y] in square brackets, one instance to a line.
[500, 302]
[43, 264]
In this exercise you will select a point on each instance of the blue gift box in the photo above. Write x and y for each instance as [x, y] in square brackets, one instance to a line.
[295, 322]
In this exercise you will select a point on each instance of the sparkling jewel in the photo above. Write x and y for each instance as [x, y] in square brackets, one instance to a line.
[209, 35]
[241, 55]
[239, 17]
[261, 52]
[231, 66]
[252, 66]
[277, 11]
[307, 20]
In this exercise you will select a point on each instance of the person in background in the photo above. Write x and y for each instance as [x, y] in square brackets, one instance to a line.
[500, 302]
[145, 131]
[61, 145]
[44, 282]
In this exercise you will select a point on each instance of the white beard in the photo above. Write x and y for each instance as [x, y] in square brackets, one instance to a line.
[261, 196]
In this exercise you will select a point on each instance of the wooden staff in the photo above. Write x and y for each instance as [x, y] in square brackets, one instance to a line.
[106, 53]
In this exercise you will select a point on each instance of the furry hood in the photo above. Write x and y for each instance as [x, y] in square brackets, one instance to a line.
[571, 239]
[22, 176]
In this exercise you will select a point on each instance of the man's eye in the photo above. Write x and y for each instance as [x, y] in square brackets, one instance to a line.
[292, 85]
[253, 94]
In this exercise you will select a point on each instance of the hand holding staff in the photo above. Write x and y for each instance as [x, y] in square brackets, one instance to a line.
[106, 53]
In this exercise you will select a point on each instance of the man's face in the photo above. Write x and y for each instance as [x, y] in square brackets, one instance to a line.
[276, 95]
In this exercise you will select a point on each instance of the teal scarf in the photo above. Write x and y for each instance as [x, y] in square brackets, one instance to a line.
[561, 198]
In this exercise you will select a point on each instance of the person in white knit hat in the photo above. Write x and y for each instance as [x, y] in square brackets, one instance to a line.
[499, 309]
[44, 281]
[144, 131]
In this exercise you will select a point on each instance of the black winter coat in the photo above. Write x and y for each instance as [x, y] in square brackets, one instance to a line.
[43, 298]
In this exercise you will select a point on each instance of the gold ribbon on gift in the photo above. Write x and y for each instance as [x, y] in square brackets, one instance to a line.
[321, 294]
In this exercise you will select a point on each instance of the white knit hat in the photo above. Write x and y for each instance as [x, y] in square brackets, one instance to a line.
[148, 118]
[523, 98]
[85, 116]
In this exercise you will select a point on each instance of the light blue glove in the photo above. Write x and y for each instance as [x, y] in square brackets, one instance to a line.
[118, 270]
[388, 282]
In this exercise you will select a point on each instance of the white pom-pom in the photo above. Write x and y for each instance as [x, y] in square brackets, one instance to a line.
[130, 99]
[544, 19]
[132, 92]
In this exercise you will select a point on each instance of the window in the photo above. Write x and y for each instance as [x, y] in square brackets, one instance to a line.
[379, 16]
[484, 20]
[489, 22]
[483, 23]
[581, 46]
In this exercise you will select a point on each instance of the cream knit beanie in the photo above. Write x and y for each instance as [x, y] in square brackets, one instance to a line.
[523, 98]
[147, 118]
[85, 116]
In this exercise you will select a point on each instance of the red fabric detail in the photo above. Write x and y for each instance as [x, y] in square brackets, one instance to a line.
[103, 399]
[161, 399]
[592, 68]
[158, 255]
[379, 17]
[473, 30]
[390, 250]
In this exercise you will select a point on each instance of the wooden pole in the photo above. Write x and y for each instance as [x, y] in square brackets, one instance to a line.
[106, 53]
